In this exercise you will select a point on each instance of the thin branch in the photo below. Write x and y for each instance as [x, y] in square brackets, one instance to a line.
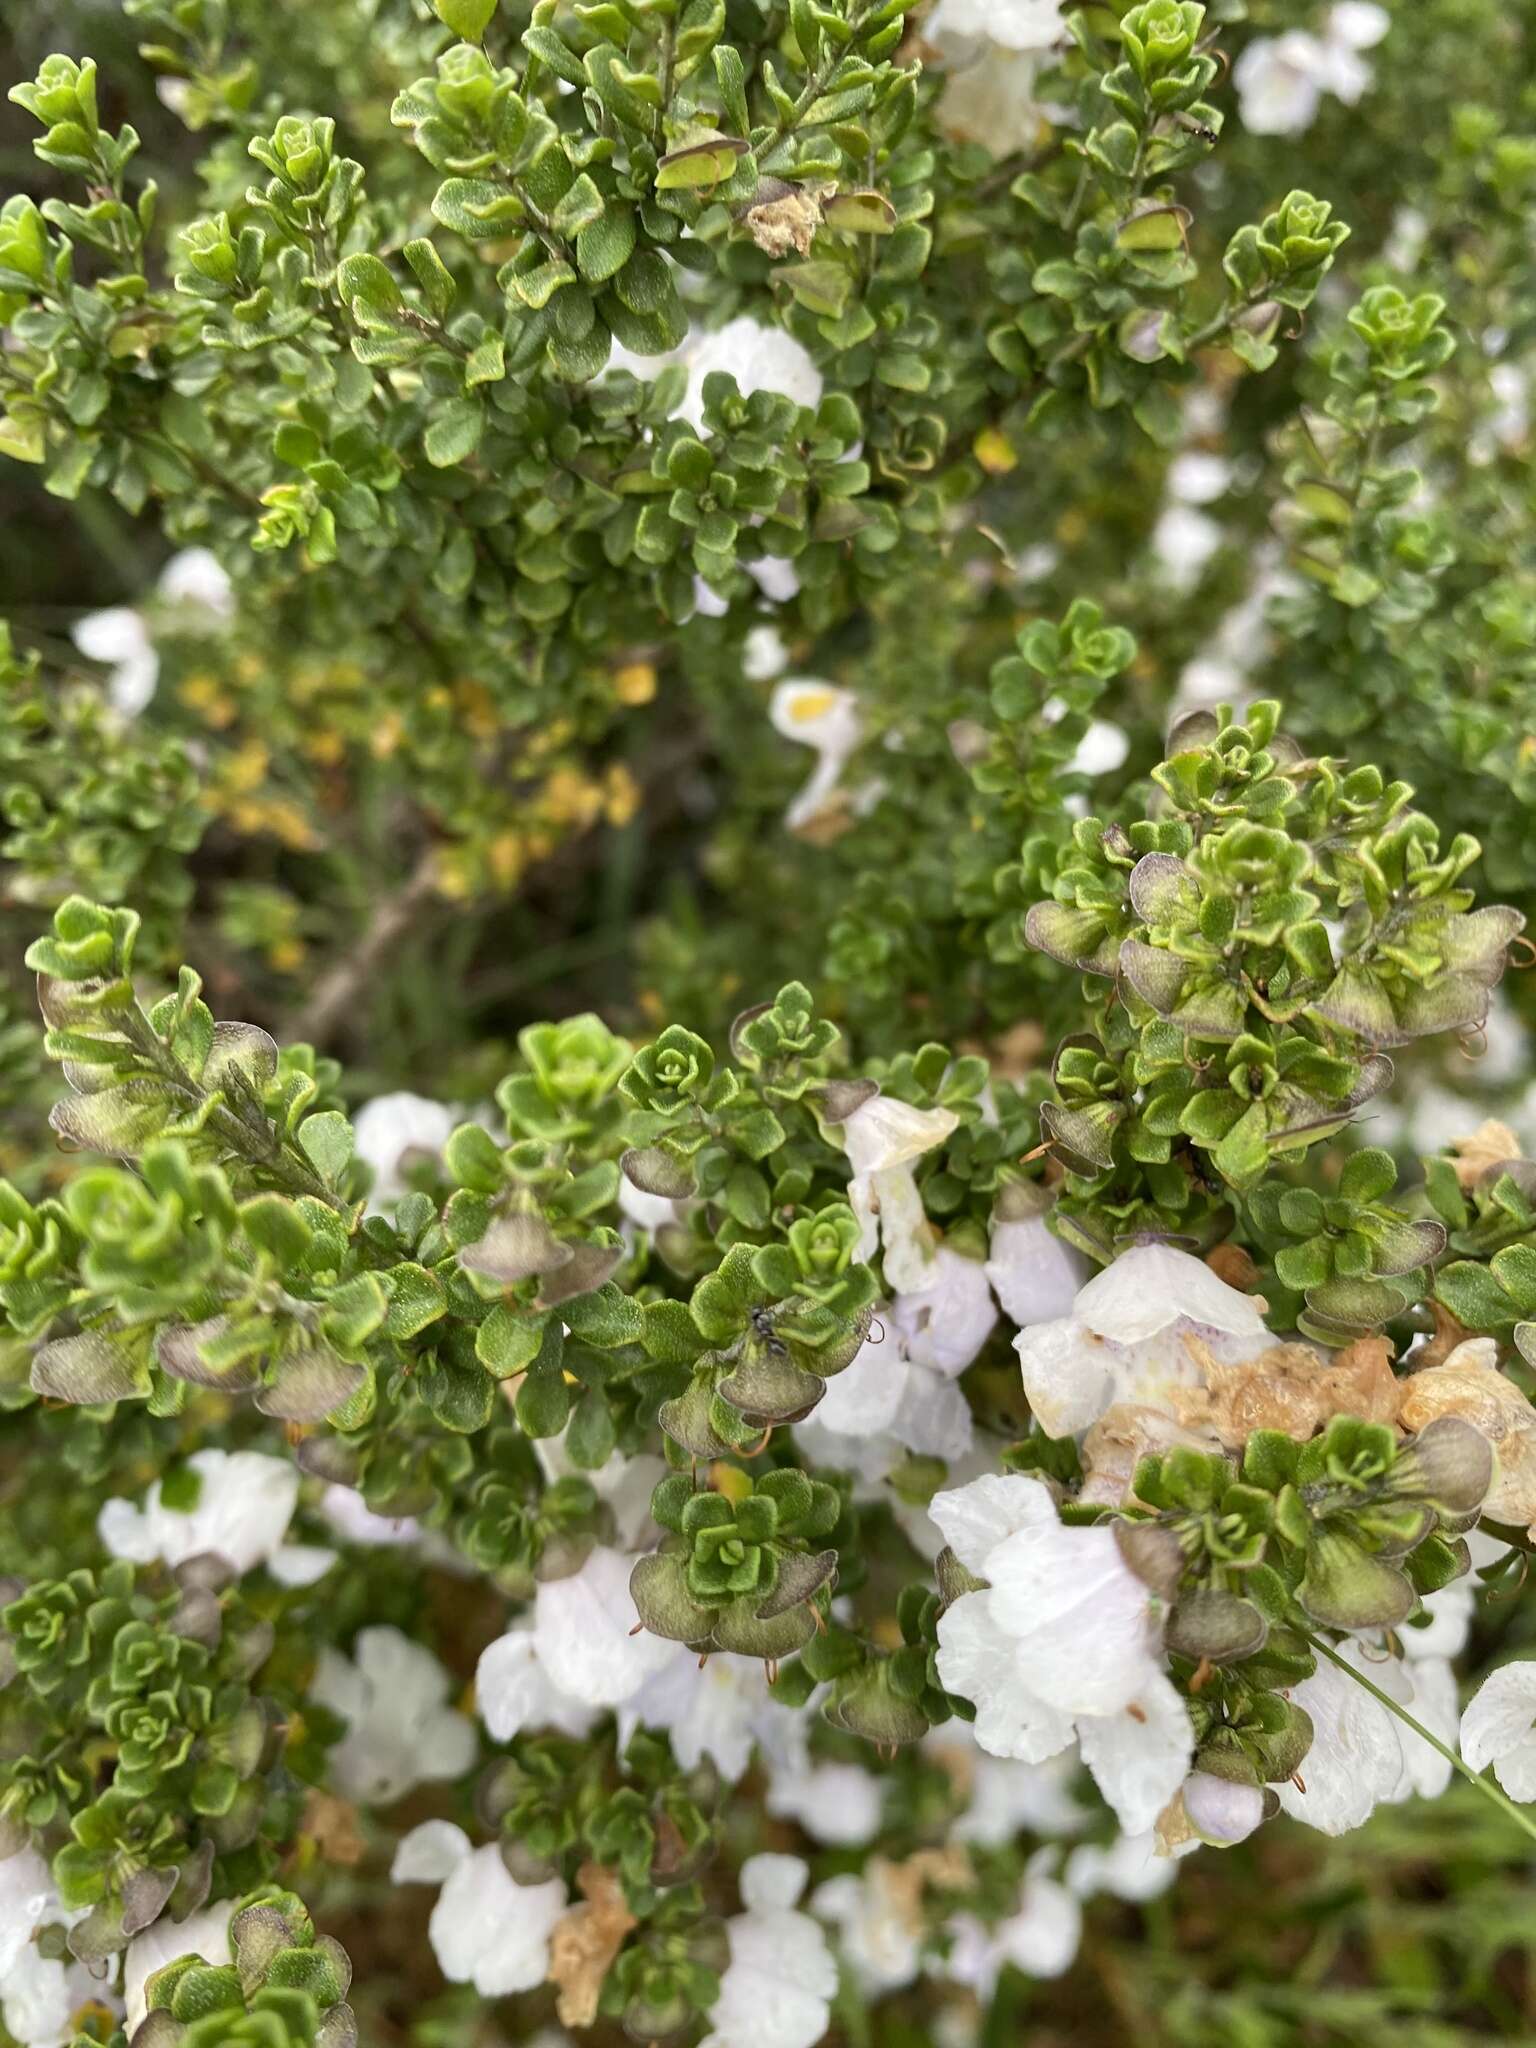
[337, 991]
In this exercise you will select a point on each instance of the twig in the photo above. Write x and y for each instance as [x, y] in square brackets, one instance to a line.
[337, 991]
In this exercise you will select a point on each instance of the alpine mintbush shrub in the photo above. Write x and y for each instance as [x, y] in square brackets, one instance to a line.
[765, 1217]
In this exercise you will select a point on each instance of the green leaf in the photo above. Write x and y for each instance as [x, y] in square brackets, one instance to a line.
[417, 1298]
[604, 247]
[467, 18]
[487, 363]
[455, 434]
[700, 164]
[328, 1142]
[508, 1340]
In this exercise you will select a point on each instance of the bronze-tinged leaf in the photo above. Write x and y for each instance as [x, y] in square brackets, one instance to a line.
[1162, 889]
[1219, 1627]
[1195, 729]
[179, 1351]
[655, 1172]
[514, 1249]
[1156, 975]
[1449, 1463]
[1452, 1002]
[87, 1369]
[738, 1628]
[245, 1048]
[1356, 1001]
[1478, 941]
[119, 1121]
[799, 1577]
[583, 1272]
[1086, 1134]
[1403, 1246]
[1345, 1587]
[307, 1385]
[658, 1585]
[687, 1420]
[836, 1101]
[767, 1386]
[1077, 938]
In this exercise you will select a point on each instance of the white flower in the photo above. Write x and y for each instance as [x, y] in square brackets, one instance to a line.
[883, 1400]
[37, 1995]
[1499, 1728]
[38, 1998]
[1130, 1868]
[198, 578]
[1011, 24]
[943, 1325]
[1101, 749]
[764, 654]
[1220, 1811]
[1450, 1620]
[582, 1652]
[759, 358]
[900, 1385]
[1363, 1756]
[877, 1933]
[776, 577]
[1239, 641]
[204, 1934]
[391, 1130]
[1281, 79]
[838, 1804]
[400, 1731]
[645, 1211]
[1033, 1273]
[1125, 1338]
[352, 1518]
[625, 1484]
[1198, 478]
[26, 1897]
[244, 1504]
[119, 637]
[882, 1138]
[819, 715]
[513, 1691]
[990, 95]
[486, 1928]
[1279, 82]
[1065, 1640]
[1005, 1798]
[723, 1711]
[1184, 540]
[1040, 1937]
[777, 1989]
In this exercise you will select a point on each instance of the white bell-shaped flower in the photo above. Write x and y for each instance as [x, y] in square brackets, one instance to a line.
[1499, 1728]
[401, 1732]
[777, 1989]
[243, 1504]
[391, 1130]
[486, 1929]
[1362, 1756]
[1125, 1338]
[1065, 1641]
[883, 1138]
[825, 718]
